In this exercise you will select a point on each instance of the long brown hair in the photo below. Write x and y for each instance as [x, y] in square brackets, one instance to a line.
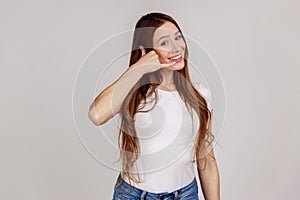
[127, 140]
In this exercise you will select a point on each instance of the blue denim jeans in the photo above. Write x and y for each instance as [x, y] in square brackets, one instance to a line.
[124, 191]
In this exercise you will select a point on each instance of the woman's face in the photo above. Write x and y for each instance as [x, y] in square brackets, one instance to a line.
[169, 45]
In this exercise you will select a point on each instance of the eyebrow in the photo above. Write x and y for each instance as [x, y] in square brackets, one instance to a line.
[166, 36]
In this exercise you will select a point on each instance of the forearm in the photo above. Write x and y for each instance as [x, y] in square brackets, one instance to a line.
[210, 180]
[109, 101]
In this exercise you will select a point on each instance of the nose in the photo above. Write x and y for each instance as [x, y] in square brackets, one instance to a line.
[175, 47]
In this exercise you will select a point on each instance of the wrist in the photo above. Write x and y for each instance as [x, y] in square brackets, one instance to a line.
[138, 70]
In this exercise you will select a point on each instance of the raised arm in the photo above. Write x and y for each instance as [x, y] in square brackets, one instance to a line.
[109, 101]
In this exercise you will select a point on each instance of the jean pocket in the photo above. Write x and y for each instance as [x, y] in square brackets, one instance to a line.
[189, 192]
[119, 196]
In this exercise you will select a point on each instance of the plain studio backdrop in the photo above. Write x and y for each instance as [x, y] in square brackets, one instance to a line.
[255, 45]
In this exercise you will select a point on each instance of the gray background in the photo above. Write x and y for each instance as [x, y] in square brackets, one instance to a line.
[255, 45]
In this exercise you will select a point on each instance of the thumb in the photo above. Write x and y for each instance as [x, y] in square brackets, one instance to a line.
[167, 64]
[143, 50]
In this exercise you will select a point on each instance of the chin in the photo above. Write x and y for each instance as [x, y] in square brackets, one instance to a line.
[178, 66]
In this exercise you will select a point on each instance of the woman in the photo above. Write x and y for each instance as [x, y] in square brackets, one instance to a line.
[157, 87]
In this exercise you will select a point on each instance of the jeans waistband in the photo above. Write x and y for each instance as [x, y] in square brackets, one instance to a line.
[142, 193]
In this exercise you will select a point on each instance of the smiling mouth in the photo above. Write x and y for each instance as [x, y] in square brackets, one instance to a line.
[176, 58]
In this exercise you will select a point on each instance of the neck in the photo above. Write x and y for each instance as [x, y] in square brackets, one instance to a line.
[167, 76]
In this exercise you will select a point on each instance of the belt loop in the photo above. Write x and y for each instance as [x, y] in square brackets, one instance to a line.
[143, 194]
[175, 194]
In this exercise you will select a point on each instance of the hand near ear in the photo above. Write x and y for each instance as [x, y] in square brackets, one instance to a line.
[149, 62]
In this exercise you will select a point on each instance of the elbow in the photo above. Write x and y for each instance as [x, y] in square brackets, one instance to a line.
[94, 117]
[99, 117]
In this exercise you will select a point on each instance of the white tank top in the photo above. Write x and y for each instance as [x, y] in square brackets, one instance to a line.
[166, 139]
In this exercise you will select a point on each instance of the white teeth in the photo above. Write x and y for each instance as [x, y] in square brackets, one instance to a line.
[176, 57]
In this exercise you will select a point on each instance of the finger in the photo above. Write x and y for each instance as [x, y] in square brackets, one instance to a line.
[154, 55]
[168, 64]
[152, 52]
[143, 50]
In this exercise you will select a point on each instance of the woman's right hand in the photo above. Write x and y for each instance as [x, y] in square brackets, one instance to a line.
[149, 62]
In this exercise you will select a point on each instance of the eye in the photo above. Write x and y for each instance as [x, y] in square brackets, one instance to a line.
[178, 37]
[163, 43]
